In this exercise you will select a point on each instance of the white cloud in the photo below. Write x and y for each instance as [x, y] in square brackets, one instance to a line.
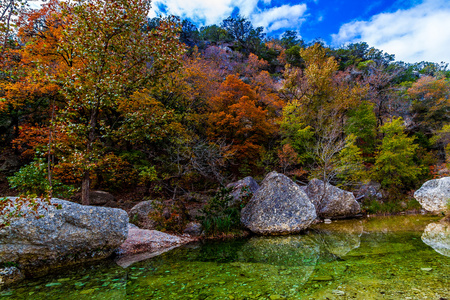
[416, 34]
[214, 11]
[280, 17]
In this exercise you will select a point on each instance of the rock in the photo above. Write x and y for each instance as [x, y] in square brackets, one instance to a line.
[327, 221]
[10, 275]
[369, 190]
[98, 198]
[132, 226]
[330, 201]
[437, 236]
[247, 183]
[340, 237]
[139, 214]
[193, 228]
[278, 207]
[434, 195]
[72, 234]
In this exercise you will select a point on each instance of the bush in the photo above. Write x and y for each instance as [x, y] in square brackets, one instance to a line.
[33, 179]
[221, 214]
[169, 216]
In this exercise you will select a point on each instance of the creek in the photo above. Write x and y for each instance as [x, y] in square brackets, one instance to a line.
[399, 257]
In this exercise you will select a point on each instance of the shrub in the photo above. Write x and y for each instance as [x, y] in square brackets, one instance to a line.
[221, 214]
[33, 179]
[169, 216]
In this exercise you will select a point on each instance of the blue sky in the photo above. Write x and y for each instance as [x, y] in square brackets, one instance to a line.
[413, 30]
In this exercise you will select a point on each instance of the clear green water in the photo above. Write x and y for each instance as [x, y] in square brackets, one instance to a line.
[382, 258]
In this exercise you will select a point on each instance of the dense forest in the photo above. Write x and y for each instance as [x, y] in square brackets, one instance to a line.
[95, 95]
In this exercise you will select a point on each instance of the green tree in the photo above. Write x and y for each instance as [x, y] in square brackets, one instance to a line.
[362, 123]
[394, 165]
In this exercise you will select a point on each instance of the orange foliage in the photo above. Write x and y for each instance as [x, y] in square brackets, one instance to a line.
[236, 116]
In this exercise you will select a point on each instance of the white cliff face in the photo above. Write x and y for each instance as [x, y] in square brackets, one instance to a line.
[434, 195]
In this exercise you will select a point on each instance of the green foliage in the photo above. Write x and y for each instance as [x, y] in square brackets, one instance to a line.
[394, 166]
[350, 166]
[374, 206]
[296, 133]
[362, 122]
[221, 214]
[33, 179]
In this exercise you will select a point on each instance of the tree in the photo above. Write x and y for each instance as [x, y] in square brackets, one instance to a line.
[394, 165]
[103, 55]
[237, 116]
[430, 103]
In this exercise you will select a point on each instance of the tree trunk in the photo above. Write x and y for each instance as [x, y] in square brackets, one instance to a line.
[85, 187]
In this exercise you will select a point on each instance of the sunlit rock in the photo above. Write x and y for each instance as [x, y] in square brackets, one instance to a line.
[434, 195]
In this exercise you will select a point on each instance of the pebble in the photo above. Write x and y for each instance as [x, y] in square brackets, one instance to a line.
[327, 221]
[338, 292]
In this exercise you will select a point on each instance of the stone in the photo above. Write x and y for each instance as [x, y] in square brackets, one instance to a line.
[139, 214]
[278, 207]
[437, 236]
[434, 195]
[194, 229]
[10, 275]
[67, 235]
[371, 190]
[330, 201]
[247, 183]
[98, 198]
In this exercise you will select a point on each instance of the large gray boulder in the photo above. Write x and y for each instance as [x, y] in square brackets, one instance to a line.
[330, 201]
[64, 235]
[247, 184]
[434, 195]
[278, 207]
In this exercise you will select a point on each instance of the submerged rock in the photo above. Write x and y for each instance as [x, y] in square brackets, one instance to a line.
[434, 195]
[70, 234]
[331, 201]
[278, 207]
[437, 236]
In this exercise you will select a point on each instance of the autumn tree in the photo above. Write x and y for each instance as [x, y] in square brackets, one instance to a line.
[430, 103]
[236, 115]
[103, 55]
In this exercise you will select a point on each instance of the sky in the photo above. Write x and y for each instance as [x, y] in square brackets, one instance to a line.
[412, 30]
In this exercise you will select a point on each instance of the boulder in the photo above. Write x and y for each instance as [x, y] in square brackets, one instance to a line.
[371, 190]
[247, 183]
[98, 198]
[139, 214]
[434, 195]
[330, 201]
[64, 235]
[193, 228]
[278, 207]
[437, 236]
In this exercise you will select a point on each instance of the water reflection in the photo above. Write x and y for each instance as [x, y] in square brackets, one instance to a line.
[362, 259]
[437, 236]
